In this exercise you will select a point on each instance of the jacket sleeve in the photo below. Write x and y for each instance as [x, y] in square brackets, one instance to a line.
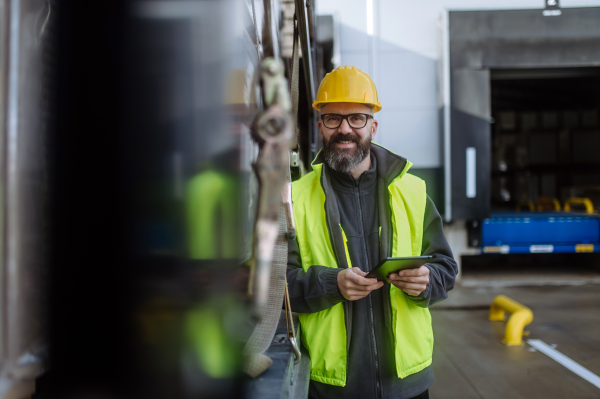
[442, 272]
[313, 290]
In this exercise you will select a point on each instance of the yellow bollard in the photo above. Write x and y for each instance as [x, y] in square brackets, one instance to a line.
[589, 206]
[519, 318]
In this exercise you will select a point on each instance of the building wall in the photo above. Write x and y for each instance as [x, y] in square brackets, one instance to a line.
[399, 49]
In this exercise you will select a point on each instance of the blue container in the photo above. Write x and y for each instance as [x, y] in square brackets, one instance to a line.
[543, 232]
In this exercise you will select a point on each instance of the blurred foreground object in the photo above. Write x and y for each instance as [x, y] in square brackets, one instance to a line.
[27, 34]
[273, 130]
[130, 197]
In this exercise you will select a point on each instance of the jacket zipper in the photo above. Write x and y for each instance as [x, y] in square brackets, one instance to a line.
[378, 392]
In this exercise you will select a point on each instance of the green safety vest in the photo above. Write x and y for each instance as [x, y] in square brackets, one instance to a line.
[324, 333]
[212, 221]
[212, 215]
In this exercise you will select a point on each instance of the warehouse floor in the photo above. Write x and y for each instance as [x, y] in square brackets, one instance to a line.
[470, 361]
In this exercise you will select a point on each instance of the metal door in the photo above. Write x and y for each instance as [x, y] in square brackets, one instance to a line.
[470, 143]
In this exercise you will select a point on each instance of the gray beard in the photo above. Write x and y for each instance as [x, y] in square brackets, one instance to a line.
[344, 160]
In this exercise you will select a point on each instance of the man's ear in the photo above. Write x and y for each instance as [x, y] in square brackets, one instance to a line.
[374, 126]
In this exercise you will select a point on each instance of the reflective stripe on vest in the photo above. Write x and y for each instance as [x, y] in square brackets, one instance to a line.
[324, 333]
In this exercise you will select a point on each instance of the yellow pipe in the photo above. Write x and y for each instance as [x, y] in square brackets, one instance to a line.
[589, 206]
[548, 201]
[519, 318]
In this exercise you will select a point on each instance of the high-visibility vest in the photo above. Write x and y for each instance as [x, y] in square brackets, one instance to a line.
[324, 333]
[212, 215]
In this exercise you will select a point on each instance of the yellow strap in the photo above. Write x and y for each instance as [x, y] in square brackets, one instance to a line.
[346, 248]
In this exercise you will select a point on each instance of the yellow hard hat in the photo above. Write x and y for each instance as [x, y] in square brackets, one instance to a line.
[347, 84]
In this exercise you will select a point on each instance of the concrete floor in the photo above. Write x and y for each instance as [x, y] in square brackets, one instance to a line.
[474, 280]
[469, 360]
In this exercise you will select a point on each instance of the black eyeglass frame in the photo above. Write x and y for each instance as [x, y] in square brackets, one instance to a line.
[347, 120]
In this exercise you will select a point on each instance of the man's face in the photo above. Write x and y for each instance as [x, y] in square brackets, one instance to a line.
[346, 146]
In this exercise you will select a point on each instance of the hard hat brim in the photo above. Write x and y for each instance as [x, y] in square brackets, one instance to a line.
[318, 104]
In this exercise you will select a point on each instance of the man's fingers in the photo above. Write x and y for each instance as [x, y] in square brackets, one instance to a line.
[421, 271]
[375, 286]
[420, 279]
[364, 288]
[410, 286]
[358, 271]
[353, 282]
[369, 288]
[354, 286]
[360, 291]
[350, 285]
[355, 278]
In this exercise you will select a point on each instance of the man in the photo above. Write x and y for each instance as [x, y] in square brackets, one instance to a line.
[358, 206]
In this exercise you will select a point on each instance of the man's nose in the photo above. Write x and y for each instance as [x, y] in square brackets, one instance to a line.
[345, 127]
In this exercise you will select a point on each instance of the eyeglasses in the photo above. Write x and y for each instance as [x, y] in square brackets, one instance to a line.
[356, 121]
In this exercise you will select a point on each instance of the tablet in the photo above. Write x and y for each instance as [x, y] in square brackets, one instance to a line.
[392, 265]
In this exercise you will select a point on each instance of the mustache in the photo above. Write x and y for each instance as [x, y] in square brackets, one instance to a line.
[345, 137]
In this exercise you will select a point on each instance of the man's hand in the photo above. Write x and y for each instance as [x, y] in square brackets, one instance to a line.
[411, 281]
[353, 285]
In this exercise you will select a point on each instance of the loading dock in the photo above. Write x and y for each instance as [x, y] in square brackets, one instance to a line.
[522, 136]
[522, 128]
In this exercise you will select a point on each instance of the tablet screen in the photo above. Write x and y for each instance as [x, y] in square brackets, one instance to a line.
[392, 265]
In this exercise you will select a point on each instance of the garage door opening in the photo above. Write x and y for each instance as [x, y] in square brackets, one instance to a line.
[545, 150]
[545, 138]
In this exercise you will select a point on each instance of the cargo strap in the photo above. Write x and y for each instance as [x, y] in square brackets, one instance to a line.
[255, 362]
[273, 131]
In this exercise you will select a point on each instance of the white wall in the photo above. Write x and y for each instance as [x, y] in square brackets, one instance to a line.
[401, 56]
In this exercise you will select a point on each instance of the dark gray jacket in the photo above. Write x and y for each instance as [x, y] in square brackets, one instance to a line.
[361, 207]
